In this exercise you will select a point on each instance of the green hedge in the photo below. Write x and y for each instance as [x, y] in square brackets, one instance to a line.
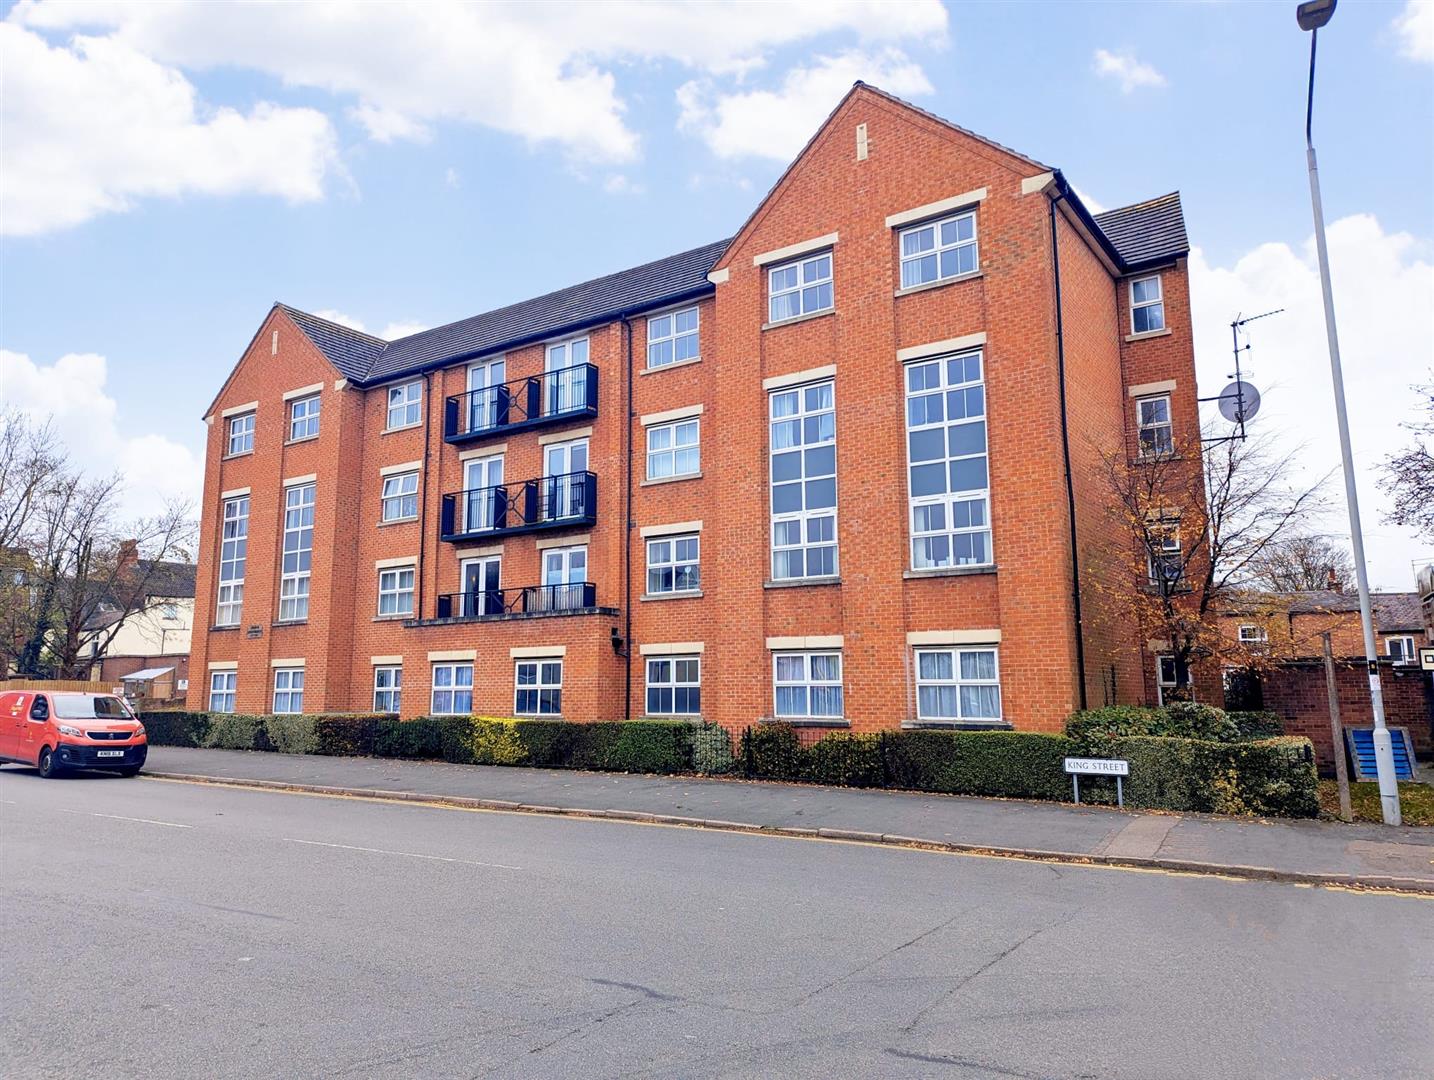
[1179, 719]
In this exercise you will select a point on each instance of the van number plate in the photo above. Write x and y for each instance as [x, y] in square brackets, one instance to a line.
[109, 753]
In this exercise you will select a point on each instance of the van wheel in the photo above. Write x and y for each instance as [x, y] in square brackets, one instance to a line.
[49, 767]
[129, 770]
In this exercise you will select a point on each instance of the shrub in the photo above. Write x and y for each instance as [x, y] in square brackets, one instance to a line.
[846, 760]
[176, 728]
[419, 738]
[652, 746]
[772, 751]
[1015, 764]
[1267, 777]
[496, 742]
[1257, 725]
[546, 743]
[712, 750]
[1192, 720]
[291, 734]
[1091, 725]
[341, 735]
[1277, 776]
[231, 731]
[591, 746]
[455, 739]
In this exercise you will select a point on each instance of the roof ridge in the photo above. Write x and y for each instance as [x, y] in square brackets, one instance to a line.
[289, 308]
[1143, 202]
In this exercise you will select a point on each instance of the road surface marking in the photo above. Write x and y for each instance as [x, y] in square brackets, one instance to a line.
[409, 854]
[121, 817]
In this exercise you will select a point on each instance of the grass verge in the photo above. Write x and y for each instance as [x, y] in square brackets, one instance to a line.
[1416, 802]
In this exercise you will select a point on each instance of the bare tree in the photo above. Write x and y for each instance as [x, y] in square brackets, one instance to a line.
[1411, 472]
[1191, 527]
[1303, 562]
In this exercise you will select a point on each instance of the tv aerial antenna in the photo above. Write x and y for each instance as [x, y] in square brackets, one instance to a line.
[1239, 401]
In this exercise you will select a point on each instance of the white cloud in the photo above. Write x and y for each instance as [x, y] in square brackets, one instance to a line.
[1090, 204]
[390, 332]
[777, 123]
[620, 184]
[1382, 284]
[1125, 69]
[1415, 27]
[91, 127]
[72, 393]
[451, 178]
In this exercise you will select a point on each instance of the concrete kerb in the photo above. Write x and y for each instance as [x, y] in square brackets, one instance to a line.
[1361, 882]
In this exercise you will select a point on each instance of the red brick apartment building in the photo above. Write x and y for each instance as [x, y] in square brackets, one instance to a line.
[816, 472]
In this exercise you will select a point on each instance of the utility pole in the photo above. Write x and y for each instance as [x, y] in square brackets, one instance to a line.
[1312, 16]
[1341, 771]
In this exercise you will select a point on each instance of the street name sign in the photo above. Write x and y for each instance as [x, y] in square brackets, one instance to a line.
[1091, 766]
[1426, 658]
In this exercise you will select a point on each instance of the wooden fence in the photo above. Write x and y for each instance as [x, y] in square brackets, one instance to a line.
[95, 687]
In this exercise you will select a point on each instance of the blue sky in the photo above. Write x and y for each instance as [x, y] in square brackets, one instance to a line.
[171, 170]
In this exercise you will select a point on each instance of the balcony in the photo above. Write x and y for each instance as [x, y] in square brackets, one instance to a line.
[527, 506]
[554, 397]
[569, 599]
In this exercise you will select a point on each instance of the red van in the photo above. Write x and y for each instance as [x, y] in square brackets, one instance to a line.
[59, 730]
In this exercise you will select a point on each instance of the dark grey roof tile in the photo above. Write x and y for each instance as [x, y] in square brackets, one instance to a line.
[1146, 232]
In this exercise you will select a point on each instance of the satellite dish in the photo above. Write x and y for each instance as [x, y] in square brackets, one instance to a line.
[1239, 402]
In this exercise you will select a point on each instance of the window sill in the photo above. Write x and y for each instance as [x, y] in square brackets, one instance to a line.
[226, 628]
[674, 718]
[929, 285]
[670, 479]
[1148, 334]
[799, 319]
[289, 622]
[405, 427]
[668, 367]
[793, 583]
[393, 618]
[949, 571]
[688, 594]
[956, 725]
[807, 721]
[242, 453]
[295, 442]
[398, 521]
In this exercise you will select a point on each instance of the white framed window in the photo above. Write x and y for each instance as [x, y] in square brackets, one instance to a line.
[241, 434]
[288, 690]
[298, 552]
[538, 688]
[1147, 308]
[807, 685]
[399, 498]
[673, 449]
[674, 686]
[169, 611]
[672, 338]
[673, 565]
[452, 690]
[801, 287]
[803, 481]
[937, 250]
[1166, 679]
[958, 685]
[387, 687]
[233, 554]
[395, 591]
[1155, 432]
[405, 405]
[222, 686]
[947, 468]
[1401, 649]
[565, 377]
[304, 418]
[1253, 634]
[1164, 558]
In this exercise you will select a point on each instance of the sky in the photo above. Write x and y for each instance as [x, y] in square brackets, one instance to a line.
[168, 171]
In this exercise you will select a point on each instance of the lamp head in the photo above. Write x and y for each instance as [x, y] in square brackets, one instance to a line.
[1315, 13]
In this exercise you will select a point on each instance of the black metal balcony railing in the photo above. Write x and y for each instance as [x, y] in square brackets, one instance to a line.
[549, 502]
[552, 397]
[532, 600]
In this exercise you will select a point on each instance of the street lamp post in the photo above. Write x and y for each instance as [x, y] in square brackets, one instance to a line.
[1312, 16]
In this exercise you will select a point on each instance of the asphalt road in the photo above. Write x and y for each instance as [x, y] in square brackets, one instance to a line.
[162, 929]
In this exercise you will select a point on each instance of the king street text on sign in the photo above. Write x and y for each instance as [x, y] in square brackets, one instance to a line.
[1097, 766]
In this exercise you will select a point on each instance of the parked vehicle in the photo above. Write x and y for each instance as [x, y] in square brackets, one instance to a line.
[56, 731]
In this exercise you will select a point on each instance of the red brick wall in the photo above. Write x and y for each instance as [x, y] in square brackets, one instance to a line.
[1298, 692]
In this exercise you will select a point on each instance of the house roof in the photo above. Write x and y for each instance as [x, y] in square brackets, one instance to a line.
[351, 351]
[1397, 611]
[147, 673]
[1392, 611]
[1146, 232]
[169, 580]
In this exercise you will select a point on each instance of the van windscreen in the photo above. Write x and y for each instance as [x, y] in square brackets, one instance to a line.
[89, 707]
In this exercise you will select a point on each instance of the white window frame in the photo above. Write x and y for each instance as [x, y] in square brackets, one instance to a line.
[223, 685]
[808, 683]
[541, 685]
[1409, 653]
[672, 449]
[1257, 634]
[294, 584]
[1142, 426]
[229, 605]
[393, 498]
[1161, 683]
[673, 563]
[288, 689]
[455, 686]
[390, 587]
[677, 339]
[938, 248]
[1164, 535]
[565, 381]
[957, 681]
[387, 688]
[948, 500]
[1157, 304]
[405, 399]
[673, 685]
[802, 285]
[241, 430]
[300, 424]
[807, 516]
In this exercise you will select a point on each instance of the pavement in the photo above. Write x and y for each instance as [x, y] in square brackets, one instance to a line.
[1310, 852]
[164, 930]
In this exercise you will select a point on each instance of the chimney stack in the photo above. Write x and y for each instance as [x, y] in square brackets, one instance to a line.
[1332, 581]
[128, 555]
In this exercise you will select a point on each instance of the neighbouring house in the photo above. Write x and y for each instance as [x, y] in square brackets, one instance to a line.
[155, 636]
[1292, 625]
[811, 472]
[1425, 589]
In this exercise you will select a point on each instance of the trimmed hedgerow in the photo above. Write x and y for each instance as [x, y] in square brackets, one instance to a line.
[291, 734]
[1014, 764]
[176, 728]
[712, 750]
[419, 739]
[342, 735]
[844, 760]
[232, 731]
[1257, 724]
[1179, 719]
